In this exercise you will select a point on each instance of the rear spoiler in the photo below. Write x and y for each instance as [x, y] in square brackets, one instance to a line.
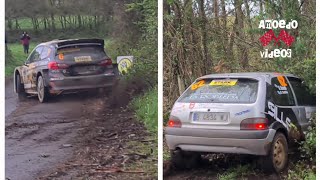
[77, 42]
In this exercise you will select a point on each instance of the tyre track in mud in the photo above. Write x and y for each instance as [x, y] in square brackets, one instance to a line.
[40, 136]
[73, 136]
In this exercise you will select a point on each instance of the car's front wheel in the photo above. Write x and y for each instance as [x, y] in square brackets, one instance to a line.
[277, 160]
[43, 93]
[20, 88]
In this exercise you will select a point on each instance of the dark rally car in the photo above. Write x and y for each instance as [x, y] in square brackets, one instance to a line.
[61, 66]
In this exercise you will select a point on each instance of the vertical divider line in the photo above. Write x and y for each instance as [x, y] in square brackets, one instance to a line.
[160, 89]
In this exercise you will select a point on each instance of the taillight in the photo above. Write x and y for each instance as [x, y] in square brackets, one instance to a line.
[174, 123]
[106, 62]
[55, 66]
[254, 124]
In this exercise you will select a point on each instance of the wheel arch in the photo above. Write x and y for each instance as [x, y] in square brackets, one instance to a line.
[280, 128]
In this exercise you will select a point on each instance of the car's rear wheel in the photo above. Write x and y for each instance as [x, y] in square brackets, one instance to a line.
[20, 88]
[43, 93]
[185, 160]
[277, 160]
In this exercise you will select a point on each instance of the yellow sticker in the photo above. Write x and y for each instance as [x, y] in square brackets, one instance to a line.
[282, 81]
[124, 65]
[229, 82]
[198, 85]
[80, 59]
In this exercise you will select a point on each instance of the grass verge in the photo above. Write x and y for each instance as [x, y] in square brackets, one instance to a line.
[15, 57]
[146, 109]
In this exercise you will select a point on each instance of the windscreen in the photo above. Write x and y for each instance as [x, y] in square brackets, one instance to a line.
[235, 90]
[80, 54]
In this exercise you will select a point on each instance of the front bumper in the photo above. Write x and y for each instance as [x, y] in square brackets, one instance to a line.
[220, 141]
[58, 84]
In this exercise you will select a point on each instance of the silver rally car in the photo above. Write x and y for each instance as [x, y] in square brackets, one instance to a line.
[243, 113]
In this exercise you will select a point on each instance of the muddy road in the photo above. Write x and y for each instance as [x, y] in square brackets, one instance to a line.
[43, 139]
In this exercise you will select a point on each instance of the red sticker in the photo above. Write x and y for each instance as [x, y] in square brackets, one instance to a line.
[191, 106]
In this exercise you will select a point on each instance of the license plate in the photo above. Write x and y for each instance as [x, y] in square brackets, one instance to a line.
[210, 117]
[80, 59]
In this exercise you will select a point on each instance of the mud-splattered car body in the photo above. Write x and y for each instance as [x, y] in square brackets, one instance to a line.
[65, 66]
[239, 113]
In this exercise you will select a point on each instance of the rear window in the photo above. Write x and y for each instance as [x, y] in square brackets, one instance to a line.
[239, 90]
[81, 53]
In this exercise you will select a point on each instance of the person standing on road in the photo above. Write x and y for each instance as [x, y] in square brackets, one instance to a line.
[25, 40]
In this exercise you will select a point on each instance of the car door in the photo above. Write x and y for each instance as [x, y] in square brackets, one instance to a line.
[30, 79]
[281, 105]
[306, 102]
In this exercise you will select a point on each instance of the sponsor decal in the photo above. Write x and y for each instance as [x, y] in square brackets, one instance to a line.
[229, 82]
[178, 108]
[242, 112]
[281, 89]
[278, 116]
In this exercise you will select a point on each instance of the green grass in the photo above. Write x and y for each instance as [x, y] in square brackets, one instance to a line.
[235, 172]
[146, 109]
[148, 148]
[16, 57]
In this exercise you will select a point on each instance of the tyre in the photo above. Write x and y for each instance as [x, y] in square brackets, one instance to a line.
[22, 95]
[185, 160]
[43, 94]
[277, 159]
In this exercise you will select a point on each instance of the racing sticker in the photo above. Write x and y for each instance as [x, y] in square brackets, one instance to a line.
[191, 106]
[80, 59]
[124, 65]
[198, 84]
[228, 82]
[282, 81]
[61, 57]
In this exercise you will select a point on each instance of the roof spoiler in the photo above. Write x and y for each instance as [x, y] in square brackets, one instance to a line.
[76, 42]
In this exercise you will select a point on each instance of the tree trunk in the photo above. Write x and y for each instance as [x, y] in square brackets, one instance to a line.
[79, 21]
[243, 51]
[203, 21]
[17, 24]
[53, 26]
[9, 23]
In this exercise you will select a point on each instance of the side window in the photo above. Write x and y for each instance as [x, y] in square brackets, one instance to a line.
[45, 53]
[302, 93]
[280, 92]
[35, 56]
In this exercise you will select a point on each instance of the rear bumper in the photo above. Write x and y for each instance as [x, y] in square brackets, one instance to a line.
[220, 141]
[58, 84]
